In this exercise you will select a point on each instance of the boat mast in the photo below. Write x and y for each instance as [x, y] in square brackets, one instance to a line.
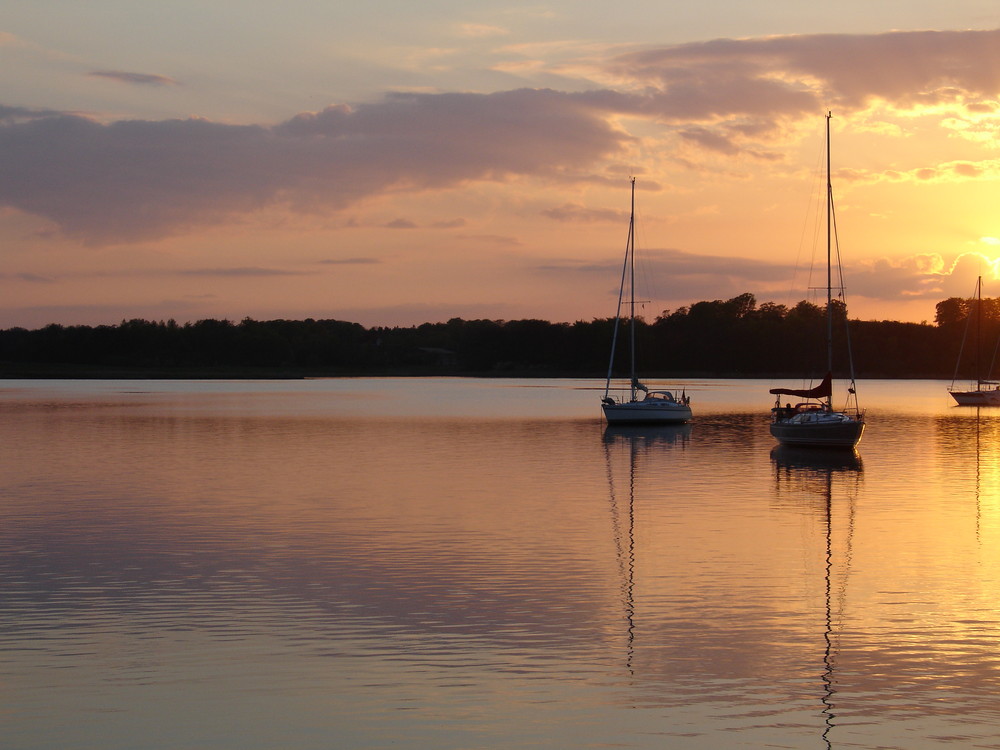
[618, 310]
[631, 289]
[829, 261]
[977, 363]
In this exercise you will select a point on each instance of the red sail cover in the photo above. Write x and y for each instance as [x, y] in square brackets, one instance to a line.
[823, 390]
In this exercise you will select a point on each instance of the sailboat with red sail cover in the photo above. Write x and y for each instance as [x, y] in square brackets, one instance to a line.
[814, 422]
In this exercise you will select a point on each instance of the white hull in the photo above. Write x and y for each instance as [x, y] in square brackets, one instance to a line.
[646, 412]
[977, 398]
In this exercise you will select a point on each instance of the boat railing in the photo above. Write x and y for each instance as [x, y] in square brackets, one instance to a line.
[788, 411]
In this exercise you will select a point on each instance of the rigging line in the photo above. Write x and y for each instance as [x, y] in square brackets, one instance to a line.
[990, 310]
[993, 360]
[645, 285]
[991, 314]
[965, 336]
[618, 312]
[842, 295]
[815, 205]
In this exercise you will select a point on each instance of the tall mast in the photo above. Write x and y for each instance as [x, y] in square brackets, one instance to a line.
[631, 285]
[829, 259]
[977, 363]
[618, 310]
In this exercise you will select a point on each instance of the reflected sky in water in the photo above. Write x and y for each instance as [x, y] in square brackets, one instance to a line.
[288, 564]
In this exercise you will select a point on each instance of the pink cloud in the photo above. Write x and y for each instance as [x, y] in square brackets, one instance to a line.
[141, 79]
[133, 180]
[727, 91]
[787, 76]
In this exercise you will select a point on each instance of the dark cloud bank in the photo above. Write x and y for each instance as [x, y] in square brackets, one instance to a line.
[132, 180]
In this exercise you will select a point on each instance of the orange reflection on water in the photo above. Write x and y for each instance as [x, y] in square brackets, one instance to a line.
[493, 566]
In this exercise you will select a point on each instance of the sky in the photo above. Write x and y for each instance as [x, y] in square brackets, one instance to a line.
[394, 163]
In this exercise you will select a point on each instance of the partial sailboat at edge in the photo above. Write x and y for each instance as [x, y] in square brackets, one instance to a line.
[643, 405]
[980, 394]
[814, 422]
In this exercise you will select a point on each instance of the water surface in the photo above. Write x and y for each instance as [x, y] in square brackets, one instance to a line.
[458, 563]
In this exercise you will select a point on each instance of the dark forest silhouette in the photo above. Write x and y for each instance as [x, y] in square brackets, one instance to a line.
[731, 338]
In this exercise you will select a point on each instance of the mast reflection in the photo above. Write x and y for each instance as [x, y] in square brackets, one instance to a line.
[635, 441]
[967, 442]
[809, 474]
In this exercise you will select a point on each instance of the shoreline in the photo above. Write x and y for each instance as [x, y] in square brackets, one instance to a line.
[40, 371]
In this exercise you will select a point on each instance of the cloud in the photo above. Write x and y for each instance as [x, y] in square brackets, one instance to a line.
[222, 272]
[672, 278]
[723, 92]
[132, 180]
[726, 140]
[945, 172]
[577, 214]
[9, 115]
[400, 224]
[32, 278]
[790, 75]
[141, 79]
[350, 261]
[953, 172]
[676, 277]
[710, 140]
[927, 276]
[237, 272]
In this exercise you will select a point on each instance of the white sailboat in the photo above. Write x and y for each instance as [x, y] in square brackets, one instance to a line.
[643, 406]
[985, 392]
[815, 423]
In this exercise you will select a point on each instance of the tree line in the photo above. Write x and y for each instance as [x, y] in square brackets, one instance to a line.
[720, 338]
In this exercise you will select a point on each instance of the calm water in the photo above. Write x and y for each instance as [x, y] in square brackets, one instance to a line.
[458, 564]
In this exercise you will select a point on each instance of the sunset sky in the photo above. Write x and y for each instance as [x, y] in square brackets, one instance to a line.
[394, 163]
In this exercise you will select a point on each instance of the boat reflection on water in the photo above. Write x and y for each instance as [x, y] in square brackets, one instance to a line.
[800, 463]
[635, 441]
[648, 435]
[831, 477]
